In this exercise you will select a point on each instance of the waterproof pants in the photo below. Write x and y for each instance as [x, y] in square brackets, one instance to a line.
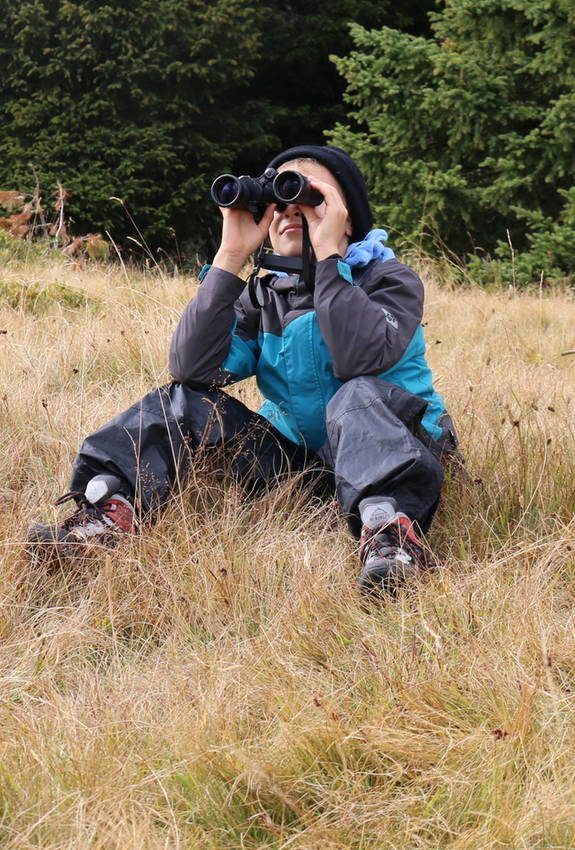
[371, 448]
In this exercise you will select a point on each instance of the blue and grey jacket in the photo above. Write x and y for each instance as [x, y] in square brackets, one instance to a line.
[360, 320]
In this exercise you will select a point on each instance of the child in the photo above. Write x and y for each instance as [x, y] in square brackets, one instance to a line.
[338, 354]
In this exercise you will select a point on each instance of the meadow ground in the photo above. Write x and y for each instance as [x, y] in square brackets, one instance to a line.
[218, 683]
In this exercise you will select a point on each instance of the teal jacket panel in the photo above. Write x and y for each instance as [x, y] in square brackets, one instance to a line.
[301, 346]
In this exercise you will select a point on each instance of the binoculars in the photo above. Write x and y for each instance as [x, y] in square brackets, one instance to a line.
[271, 187]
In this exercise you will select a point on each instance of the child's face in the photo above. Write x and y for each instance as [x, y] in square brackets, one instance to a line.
[286, 230]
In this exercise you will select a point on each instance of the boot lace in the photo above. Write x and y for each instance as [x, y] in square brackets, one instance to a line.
[85, 512]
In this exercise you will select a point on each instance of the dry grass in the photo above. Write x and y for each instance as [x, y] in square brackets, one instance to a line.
[218, 683]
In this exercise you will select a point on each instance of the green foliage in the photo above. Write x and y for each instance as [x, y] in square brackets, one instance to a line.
[467, 137]
[37, 297]
[147, 100]
[32, 295]
[294, 73]
[14, 249]
[141, 101]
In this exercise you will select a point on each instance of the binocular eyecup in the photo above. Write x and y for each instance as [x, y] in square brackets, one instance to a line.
[271, 187]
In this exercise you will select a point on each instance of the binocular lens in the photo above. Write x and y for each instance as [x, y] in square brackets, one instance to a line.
[288, 185]
[226, 190]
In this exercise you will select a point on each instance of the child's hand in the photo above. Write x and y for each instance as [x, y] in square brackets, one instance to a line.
[329, 223]
[241, 236]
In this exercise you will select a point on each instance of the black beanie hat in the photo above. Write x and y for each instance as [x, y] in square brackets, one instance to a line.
[348, 176]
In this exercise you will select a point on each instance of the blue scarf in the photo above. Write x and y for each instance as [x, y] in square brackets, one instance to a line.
[359, 254]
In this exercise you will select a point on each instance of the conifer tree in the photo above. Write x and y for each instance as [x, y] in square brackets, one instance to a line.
[139, 100]
[468, 136]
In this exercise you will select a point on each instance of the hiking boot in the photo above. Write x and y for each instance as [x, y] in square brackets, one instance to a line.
[102, 516]
[391, 556]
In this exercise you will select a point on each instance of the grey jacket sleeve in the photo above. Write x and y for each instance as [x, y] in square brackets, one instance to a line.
[367, 328]
[204, 336]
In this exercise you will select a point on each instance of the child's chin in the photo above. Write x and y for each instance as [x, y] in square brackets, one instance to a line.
[290, 250]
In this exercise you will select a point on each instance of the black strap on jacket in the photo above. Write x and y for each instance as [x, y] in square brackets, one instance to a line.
[304, 265]
[308, 258]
